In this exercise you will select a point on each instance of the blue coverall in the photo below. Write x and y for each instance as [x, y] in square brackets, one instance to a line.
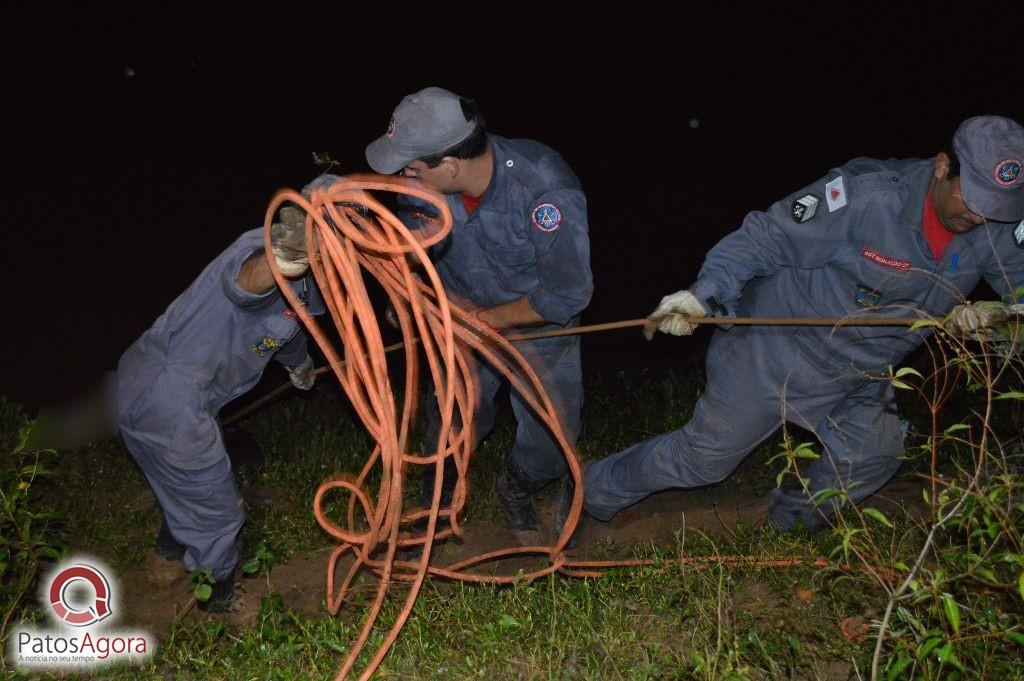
[527, 237]
[209, 347]
[867, 256]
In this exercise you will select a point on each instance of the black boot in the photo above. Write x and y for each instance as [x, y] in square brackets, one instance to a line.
[166, 545]
[512, 490]
[222, 598]
[563, 504]
[451, 475]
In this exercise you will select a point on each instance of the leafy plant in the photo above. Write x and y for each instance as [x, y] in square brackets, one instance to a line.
[27, 540]
[202, 584]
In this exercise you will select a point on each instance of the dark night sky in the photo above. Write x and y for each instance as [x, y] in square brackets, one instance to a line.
[137, 147]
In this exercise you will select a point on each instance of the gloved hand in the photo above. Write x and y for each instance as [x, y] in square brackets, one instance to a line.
[669, 316]
[302, 375]
[980, 321]
[288, 242]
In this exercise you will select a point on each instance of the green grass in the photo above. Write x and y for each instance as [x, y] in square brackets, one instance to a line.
[651, 622]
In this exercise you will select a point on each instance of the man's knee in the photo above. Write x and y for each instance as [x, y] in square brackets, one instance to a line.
[542, 467]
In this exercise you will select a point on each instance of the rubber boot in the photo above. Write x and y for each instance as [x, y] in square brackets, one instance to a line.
[451, 475]
[222, 598]
[166, 546]
[789, 509]
[163, 563]
[563, 504]
[512, 490]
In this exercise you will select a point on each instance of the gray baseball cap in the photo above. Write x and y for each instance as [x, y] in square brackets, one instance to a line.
[424, 123]
[991, 151]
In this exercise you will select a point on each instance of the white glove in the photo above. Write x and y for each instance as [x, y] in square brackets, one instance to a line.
[979, 321]
[670, 315]
[302, 376]
[288, 242]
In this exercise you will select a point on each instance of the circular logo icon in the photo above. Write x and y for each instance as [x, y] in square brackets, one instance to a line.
[391, 127]
[1008, 171]
[547, 217]
[80, 595]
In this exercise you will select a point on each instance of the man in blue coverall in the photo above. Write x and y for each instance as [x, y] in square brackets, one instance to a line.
[518, 254]
[870, 237]
[209, 347]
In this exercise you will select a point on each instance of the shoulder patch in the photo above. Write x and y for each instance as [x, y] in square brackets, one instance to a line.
[1018, 234]
[547, 217]
[804, 208]
[835, 194]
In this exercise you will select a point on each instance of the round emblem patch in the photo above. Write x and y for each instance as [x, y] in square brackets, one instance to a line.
[547, 217]
[391, 126]
[1008, 171]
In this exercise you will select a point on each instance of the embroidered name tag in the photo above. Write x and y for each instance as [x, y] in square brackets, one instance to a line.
[885, 260]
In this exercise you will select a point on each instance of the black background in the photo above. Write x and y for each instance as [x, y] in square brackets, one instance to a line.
[140, 142]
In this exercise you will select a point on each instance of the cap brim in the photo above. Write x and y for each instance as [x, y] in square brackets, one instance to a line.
[383, 158]
[999, 205]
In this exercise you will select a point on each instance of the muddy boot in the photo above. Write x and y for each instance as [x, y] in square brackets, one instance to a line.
[223, 597]
[563, 504]
[512, 490]
[166, 546]
[163, 563]
[790, 509]
[451, 474]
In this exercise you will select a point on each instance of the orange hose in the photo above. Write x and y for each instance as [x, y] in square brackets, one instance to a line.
[344, 247]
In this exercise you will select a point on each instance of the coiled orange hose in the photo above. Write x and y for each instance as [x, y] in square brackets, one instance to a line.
[344, 247]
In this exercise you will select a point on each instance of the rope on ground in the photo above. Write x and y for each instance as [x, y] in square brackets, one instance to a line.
[347, 250]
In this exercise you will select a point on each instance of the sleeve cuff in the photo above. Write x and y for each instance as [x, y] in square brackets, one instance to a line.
[707, 295]
[293, 352]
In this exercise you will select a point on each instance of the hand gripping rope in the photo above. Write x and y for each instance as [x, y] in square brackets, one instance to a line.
[344, 246]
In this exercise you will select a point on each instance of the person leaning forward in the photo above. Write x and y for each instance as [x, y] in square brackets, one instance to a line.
[518, 255]
[210, 346]
[901, 235]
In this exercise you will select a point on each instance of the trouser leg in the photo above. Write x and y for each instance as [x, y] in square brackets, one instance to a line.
[536, 452]
[487, 382]
[862, 439]
[738, 410]
[202, 509]
[166, 545]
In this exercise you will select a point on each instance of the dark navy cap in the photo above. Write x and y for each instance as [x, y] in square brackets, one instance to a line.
[991, 152]
[424, 123]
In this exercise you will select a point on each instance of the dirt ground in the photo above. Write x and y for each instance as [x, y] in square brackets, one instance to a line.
[157, 594]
